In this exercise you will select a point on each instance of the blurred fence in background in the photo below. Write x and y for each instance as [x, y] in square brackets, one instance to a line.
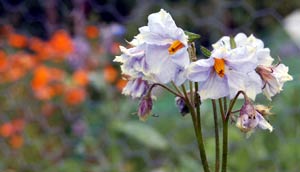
[60, 102]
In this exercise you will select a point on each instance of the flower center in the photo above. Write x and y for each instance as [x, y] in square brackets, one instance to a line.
[219, 67]
[175, 46]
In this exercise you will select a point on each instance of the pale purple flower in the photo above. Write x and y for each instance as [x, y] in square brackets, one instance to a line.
[133, 62]
[250, 118]
[136, 88]
[166, 48]
[225, 72]
[80, 54]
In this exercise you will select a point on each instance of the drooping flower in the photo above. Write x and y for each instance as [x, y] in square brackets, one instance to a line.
[250, 118]
[273, 78]
[225, 72]
[165, 48]
[145, 107]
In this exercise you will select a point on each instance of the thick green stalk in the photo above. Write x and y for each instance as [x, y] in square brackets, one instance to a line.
[217, 141]
[197, 128]
[225, 130]
[225, 145]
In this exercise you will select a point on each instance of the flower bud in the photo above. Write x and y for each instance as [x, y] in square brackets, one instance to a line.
[181, 105]
[145, 107]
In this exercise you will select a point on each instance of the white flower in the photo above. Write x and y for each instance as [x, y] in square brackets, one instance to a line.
[225, 72]
[273, 78]
[166, 48]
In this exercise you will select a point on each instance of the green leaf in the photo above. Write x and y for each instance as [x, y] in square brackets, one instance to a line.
[143, 133]
[192, 36]
[205, 51]
[232, 43]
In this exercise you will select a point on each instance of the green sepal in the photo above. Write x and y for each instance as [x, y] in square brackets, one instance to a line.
[205, 51]
[192, 36]
[232, 43]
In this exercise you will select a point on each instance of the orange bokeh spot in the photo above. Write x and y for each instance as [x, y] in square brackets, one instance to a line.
[61, 42]
[92, 32]
[17, 40]
[74, 96]
[41, 77]
[115, 48]
[121, 84]
[110, 74]
[80, 77]
[6, 129]
[16, 141]
[3, 61]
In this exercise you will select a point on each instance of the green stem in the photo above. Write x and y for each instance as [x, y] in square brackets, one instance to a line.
[198, 131]
[221, 109]
[225, 130]
[165, 87]
[176, 88]
[225, 145]
[217, 141]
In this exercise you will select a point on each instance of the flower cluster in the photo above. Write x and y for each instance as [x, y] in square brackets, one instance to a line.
[159, 55]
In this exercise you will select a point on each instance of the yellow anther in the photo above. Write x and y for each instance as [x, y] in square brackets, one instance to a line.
[220, 67]
[175, 46]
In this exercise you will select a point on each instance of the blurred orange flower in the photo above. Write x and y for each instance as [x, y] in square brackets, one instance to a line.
[7, 129]
[61, 42]
[16, 141]
[17, 40]
[74, 96]
[115, 48]
[3, 61]
[41, 77]
[80, 77]
[121, 84]
[41, 48]
[92, 32]
[110, 74]
[44, 93]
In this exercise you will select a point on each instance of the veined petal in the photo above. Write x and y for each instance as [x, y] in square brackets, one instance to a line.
[160, 64]
[236, 82]
[262, 123]
[214, 87]
[200, 70]
[181, 57]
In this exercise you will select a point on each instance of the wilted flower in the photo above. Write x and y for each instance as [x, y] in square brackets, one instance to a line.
[273, 78]
[145, 107]
[250, 118]
[225, 72]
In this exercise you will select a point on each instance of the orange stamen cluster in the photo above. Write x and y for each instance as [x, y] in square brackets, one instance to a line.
[175, 46]
[219, 67]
